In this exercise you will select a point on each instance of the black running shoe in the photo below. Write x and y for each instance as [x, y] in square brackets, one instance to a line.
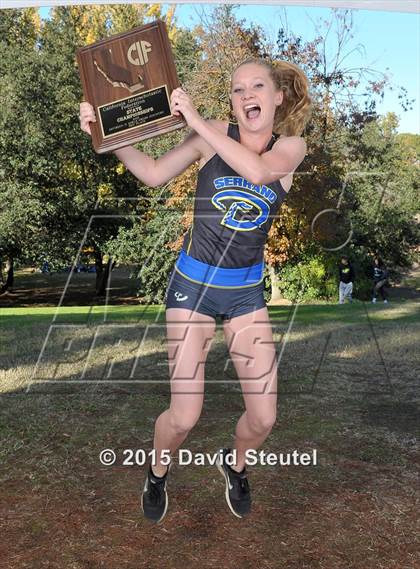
[154, 500]
[237, 493]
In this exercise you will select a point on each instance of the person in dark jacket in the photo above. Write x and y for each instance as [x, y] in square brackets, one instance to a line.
[346, 276]
[380, 278]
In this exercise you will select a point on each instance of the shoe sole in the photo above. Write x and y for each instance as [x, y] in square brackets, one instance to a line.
[225, 476]
[166, 506]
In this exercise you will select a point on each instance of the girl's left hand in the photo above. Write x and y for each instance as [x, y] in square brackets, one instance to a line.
[181, 103]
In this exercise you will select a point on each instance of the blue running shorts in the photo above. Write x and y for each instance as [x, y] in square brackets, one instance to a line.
[224, 302]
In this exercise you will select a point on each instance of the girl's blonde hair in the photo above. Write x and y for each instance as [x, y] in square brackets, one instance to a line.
[296, 108]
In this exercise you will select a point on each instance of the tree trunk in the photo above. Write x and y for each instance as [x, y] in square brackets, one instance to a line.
[275, 291]
[102, 273]
[99, 270]
[8, 285]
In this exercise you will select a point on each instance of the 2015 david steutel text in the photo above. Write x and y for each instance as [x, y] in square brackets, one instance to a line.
[140, 457]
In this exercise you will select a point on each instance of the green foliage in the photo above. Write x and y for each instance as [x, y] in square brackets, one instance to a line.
[18, 27]
[307, 280]
[384, 190]
[50, 176]
[315, 276]
[186, 52]
[145, 245]
[52, 182]
[267, 284]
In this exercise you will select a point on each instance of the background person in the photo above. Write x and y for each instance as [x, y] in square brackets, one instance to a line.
[346, 279]
[380, 280]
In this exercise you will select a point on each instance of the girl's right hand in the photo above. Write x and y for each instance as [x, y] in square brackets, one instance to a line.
[86, 116]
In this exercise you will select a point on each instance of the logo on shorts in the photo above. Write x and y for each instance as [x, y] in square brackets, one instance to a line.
[180, 297]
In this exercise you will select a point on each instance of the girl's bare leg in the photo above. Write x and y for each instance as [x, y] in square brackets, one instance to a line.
[251, 346]
[189, 337]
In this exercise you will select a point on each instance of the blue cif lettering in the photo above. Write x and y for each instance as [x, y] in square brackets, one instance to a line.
[236, 182]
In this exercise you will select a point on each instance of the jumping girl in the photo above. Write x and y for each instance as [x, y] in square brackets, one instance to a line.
[245, 171]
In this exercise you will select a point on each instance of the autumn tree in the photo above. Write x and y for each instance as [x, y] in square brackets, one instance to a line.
[224, 41]
[49, 170]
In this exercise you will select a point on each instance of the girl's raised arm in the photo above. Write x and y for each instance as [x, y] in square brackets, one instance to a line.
[151, 172]
[157, 172]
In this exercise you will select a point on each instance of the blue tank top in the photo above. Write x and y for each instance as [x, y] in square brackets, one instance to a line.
[224, 247]
[232, 217]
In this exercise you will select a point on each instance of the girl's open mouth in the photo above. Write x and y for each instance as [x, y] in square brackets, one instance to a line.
[252, 111]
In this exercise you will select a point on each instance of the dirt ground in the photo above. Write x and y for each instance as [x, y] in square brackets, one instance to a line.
[357, 509]
[349, 390]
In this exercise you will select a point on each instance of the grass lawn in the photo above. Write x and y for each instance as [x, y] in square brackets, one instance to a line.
[82, 379]
[307, 313]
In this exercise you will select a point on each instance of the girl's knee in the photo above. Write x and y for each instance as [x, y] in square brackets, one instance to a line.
[182, 422]
[260, 424]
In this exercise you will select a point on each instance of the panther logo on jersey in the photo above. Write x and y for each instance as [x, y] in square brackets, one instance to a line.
[245, 211]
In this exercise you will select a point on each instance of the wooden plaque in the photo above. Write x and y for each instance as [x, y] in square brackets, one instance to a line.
[128, 78]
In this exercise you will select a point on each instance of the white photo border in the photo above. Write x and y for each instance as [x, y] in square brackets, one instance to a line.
[412, 6]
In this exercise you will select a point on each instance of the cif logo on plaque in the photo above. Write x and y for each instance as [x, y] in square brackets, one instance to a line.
[137, 52]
